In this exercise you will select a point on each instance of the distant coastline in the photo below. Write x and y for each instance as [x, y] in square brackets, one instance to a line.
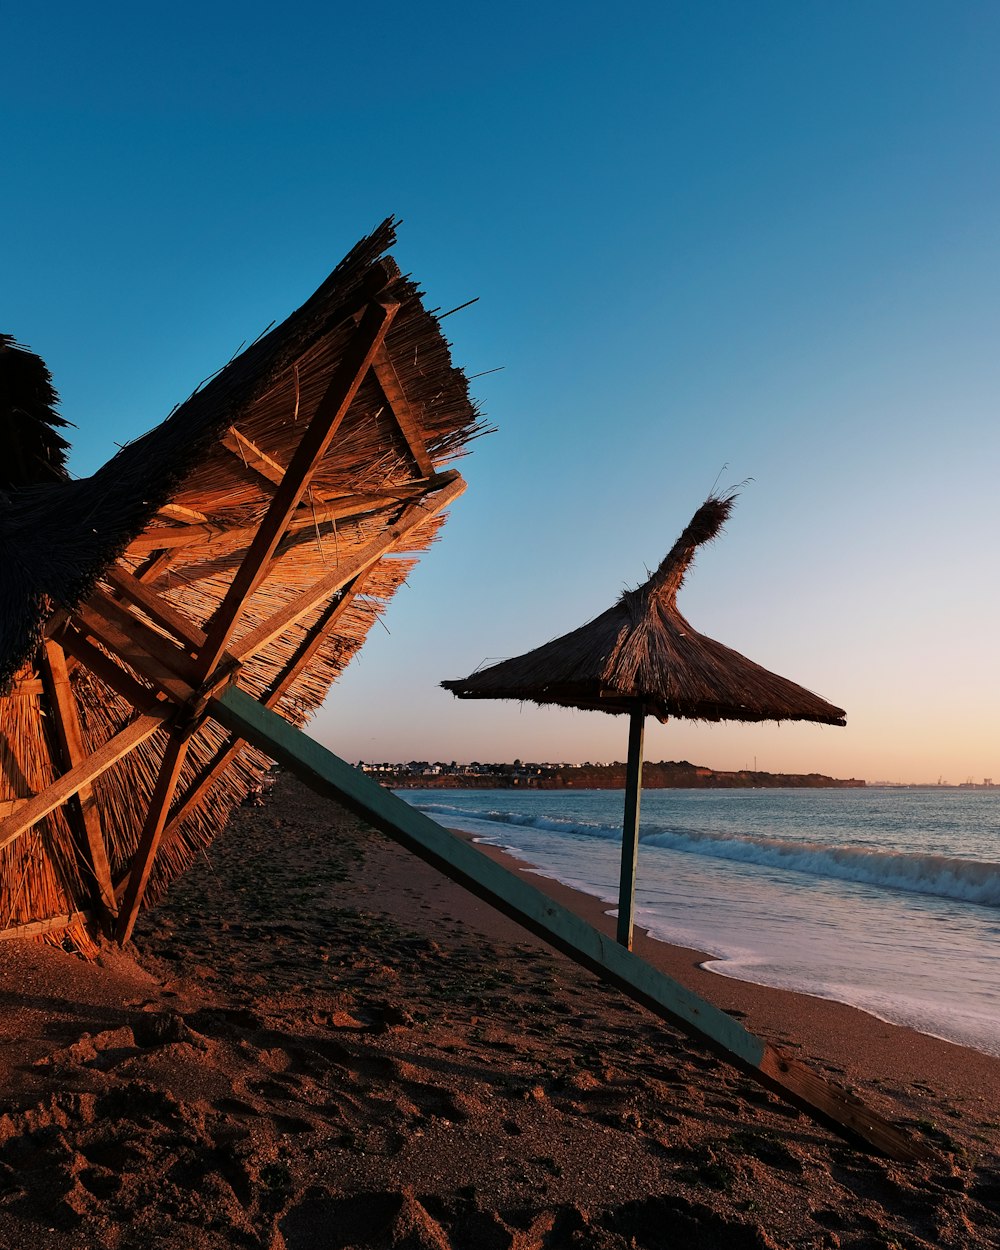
[667, 774]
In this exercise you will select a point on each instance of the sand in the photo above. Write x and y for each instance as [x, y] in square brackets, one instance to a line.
[316, 1042]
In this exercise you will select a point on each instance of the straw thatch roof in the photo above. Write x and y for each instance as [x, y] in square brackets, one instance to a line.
[644, 649]
[125, 571]
[260, 392]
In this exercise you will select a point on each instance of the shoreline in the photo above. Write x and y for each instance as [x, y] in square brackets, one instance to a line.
[789, 896]
[823, 1026]
[715, 964]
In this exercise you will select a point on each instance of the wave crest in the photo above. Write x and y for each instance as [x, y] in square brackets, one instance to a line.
[944, 876]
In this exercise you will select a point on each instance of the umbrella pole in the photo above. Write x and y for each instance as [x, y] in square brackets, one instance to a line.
[630, 826]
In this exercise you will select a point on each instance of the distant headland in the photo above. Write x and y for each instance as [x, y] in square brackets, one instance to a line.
[667, 774]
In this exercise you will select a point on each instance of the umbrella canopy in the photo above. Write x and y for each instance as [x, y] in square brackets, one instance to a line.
[643, 650]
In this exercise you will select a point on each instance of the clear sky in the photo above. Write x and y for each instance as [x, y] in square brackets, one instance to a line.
[702, 234]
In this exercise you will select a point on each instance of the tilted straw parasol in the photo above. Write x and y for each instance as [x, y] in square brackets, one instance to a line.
[257, 533]
[641, 658]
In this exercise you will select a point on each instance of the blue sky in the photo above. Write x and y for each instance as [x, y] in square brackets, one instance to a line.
[761, 236]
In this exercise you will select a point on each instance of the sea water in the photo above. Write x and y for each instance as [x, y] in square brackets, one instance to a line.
[887, 899]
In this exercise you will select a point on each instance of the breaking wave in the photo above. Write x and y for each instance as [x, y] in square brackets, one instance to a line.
[966, 880]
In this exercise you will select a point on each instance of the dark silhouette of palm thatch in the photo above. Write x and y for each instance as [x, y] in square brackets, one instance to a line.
[643, 650]
[31, 450]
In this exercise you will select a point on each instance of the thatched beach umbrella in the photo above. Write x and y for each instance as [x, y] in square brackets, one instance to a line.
[257, 533]
[641, 658]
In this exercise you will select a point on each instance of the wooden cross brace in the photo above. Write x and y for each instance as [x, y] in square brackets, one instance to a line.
[167, 667]
[160, 677]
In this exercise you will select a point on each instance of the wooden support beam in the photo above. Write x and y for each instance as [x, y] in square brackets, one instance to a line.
[252, 457]
[162, 539]
[55, 622]
[329, 509]
[333, 509]
[525, 903]
[402, 410]
[37, 928]
[158, 645]
[186, 805]
[82, 808]
[414, 516]
[314, 638]
[149, 839]
[177, 512]
[9, 806]
[106, 670]
[29, 687]
[303, 656]
[159, 668]
[326, 420]
[337, 506]
[157, 562]
[63, 788]
[156, 607]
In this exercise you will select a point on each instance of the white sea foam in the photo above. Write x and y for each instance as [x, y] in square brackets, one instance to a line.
[968, 880]
[944, 876]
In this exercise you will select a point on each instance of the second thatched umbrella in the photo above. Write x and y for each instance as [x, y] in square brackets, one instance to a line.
[641, 658]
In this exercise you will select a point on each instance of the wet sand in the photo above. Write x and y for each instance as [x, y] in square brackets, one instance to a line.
[318, 1042]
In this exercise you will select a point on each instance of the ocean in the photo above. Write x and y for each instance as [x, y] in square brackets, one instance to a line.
[885, 899]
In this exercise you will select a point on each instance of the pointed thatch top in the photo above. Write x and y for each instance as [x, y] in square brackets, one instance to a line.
[644, 649]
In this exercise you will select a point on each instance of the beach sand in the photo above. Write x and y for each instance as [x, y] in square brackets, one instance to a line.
[317, 1042]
